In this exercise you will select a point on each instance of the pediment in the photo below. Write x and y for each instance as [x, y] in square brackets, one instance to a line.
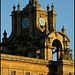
[58, 35]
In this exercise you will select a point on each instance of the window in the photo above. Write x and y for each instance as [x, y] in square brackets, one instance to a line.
[27, 73]
[69, 73]
[40, 74]
[12, 73]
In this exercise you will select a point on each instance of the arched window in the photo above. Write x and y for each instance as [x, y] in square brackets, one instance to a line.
[57, 51]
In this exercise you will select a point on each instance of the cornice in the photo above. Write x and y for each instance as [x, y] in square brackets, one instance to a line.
[24, 59]
[66, 62]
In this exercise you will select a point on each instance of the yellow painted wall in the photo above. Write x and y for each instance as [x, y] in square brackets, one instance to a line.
[8, 65]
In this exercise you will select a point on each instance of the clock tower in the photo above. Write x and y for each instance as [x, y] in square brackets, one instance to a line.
[33, 42]
[34, 20]
[34, 33]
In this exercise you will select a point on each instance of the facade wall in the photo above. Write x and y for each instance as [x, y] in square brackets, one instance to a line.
[65, 68]
[20, 67]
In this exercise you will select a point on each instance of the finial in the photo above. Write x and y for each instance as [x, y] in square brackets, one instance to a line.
[5, 34]
[52, 6]
[14, 7]
[18, 7]
[63, 29]
[48, 7]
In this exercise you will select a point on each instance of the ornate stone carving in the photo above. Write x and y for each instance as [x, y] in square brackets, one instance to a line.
[66, 55]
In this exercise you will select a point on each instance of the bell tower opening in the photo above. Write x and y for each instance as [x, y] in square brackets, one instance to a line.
[57, 51]
[54, 55]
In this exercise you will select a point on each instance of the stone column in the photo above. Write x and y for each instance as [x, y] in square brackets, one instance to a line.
[58, 54]
[48, 52]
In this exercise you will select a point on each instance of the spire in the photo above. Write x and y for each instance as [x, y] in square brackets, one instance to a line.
[52, 6]
[18, 7]
[63, 29]
[14, 7]
[48, 7]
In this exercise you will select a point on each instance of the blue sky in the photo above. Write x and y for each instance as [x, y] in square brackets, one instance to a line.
[64, 9]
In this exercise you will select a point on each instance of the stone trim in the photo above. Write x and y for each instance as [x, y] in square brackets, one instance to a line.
[24, 59]
[66, 62]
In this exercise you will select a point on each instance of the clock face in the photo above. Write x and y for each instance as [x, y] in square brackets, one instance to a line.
[42, 21]
[25, 22]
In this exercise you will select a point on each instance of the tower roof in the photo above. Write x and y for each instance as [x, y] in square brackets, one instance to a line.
[33, 3]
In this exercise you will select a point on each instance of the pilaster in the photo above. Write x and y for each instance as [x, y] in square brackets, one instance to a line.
[30, 22]
[48, 50]
[18, 23]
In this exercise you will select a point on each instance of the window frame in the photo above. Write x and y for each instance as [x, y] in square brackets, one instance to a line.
[12, 72]
[27, 72]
